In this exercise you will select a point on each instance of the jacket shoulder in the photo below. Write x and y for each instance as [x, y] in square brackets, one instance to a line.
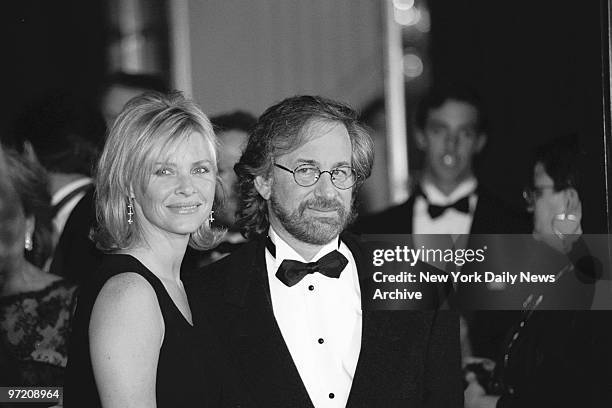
[394, 220]
[216, 274]
[495, 216]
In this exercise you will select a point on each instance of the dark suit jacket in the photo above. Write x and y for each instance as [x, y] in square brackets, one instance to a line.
[560, 359]
[76, 257]
[407, 359]
[492, 216]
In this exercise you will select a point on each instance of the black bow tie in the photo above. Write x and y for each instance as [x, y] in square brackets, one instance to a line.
[462, 205]
[290, 272]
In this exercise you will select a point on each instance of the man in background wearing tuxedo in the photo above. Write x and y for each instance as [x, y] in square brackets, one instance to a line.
[448, 199]
[288, 305]
[451, 130]
[64, 133]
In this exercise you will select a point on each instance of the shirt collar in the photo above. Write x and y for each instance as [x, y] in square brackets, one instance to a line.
[65, 190]
[284, 250]
[435, 196]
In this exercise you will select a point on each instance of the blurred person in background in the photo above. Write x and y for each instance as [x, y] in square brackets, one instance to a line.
[232, 130]
[133, 340]
[10, 211]
[66, 134]
[558, 357]
[451, 131]
[35, 306]
[120, 87]
[448, 199]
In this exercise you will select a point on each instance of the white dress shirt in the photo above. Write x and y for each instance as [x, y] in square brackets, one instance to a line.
[320, 320]
[62, 215]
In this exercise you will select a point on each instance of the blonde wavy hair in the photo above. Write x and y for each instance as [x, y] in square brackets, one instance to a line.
[146, 128]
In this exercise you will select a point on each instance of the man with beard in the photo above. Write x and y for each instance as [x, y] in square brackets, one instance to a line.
[287, 306]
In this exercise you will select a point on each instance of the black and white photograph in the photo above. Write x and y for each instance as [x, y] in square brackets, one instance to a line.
[306, 204]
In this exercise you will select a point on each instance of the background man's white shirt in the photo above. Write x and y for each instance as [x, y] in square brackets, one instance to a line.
[59, 221]
[452, 221]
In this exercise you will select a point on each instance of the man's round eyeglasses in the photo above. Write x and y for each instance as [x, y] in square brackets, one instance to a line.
[306, 175]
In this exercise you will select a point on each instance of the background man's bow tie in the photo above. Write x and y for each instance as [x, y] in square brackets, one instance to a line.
[462, 205]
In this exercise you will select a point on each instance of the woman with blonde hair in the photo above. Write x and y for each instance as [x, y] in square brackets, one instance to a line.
[133, 340]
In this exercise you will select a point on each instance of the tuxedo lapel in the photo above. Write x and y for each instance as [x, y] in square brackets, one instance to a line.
[405, 219]
[493, 216]
[385, 344]
[254, 338]
[482, 214]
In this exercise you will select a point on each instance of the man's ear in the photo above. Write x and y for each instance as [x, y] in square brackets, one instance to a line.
[419, 137]
[263, 186]
[481, 142]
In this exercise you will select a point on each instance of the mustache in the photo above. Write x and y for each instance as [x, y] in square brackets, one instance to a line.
[323, 204]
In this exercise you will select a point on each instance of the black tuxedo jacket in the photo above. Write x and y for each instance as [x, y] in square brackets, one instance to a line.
[407, 359]
[76, 256]
[491, 216]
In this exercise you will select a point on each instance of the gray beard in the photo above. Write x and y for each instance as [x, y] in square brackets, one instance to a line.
[309, 229]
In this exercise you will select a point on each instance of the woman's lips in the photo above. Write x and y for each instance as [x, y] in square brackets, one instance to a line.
[186, 208]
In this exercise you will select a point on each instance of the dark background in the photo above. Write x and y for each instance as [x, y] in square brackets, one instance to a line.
[52, 45]
[538, 68]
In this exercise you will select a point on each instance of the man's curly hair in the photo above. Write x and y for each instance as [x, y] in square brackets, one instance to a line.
[281, 129]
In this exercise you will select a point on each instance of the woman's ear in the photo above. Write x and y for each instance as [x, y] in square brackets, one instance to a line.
[263, 186]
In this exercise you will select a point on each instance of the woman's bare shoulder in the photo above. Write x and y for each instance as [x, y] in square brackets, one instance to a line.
[128, 298]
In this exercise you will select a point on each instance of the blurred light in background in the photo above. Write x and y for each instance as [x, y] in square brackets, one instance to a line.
[403, 4]
[413, 66]
[138, 40]
[407, 17]
[424, 23]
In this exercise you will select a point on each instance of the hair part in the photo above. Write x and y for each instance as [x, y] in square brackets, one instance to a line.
[281, 129]
[147, 127]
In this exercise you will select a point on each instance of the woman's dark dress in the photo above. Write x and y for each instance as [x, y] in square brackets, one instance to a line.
[187, 367]
[34, 329]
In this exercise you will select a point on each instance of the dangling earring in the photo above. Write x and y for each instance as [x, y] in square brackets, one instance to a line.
[28, 245]
[210, 217]
[130, 212]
